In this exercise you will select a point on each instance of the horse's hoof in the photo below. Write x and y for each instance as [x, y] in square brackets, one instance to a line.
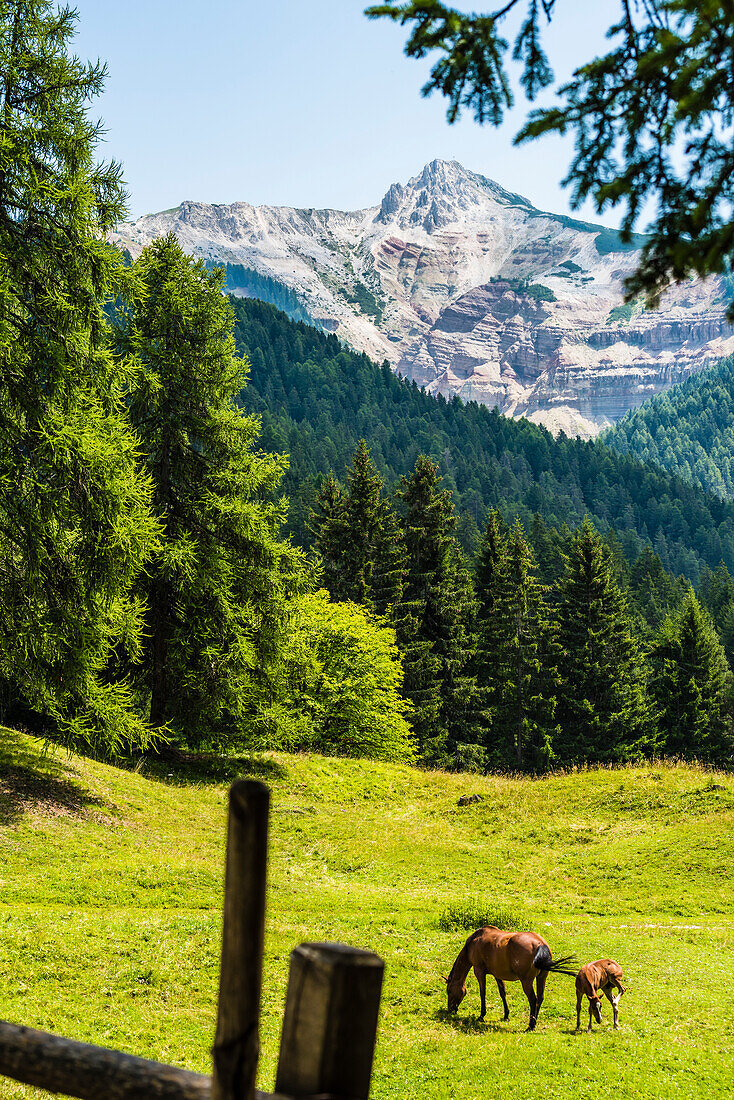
[481, 1019]
[505, 1018]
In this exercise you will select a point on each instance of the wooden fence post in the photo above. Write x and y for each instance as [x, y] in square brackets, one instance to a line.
[330, 1022]
[236, 1043]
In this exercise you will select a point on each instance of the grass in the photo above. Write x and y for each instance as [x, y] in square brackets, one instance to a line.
[110, 894]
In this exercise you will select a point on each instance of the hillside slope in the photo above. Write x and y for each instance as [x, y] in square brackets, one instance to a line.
[468, 289]
[689, 430]
[111, 894]
[317, 400]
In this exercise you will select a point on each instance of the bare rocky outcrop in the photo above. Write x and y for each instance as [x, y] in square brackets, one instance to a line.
[467, 288]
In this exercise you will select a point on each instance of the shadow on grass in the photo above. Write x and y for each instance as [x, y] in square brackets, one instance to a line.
[469, 1025]
[31, 779]
[178, 767]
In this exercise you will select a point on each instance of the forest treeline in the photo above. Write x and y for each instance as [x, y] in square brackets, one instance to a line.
[149, 591]
[549, 648]
[688, 430]
[317, 399]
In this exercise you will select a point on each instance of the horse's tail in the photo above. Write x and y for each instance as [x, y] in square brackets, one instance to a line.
[543, 960]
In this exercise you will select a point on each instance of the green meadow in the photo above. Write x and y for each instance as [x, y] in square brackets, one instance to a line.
[111, 888]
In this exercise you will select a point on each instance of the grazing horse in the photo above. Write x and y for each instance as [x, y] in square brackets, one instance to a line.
[522, 957]
[604, 975]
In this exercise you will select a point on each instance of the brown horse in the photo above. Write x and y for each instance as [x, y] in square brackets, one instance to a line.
[604, 975]
[522, 957]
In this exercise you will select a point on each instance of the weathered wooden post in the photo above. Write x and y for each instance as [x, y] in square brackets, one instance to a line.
[236, 1042]
[330, 1022]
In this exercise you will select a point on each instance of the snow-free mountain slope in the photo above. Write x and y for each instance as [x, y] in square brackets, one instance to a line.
[469, 289]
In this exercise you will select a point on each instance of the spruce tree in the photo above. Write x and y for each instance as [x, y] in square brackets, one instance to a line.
[692, 686]
[75, 520]
[603, 710]
[326, 525]
[216, 592]
[357, 533]
[515, 651]
[546, 544]
[435, 622]
[491, 565]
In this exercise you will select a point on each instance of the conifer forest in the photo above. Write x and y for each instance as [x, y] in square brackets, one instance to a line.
[220, 527]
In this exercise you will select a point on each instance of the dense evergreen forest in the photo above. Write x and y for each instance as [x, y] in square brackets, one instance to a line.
[475, 593]
[547, 649]
[317, 399]
[688, 430]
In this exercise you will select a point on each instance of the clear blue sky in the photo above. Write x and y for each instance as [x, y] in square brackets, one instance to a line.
[299, 103]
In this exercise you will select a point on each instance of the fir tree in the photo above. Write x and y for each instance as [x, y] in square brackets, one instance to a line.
[491, 565]
[692, 685]
[603, 710]
[326, 525]
[216, 593]
[75, 520]
[514, 651]
[358, 535]
[547, 550]
[435, 620]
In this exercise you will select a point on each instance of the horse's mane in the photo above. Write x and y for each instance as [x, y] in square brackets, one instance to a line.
[461, 963]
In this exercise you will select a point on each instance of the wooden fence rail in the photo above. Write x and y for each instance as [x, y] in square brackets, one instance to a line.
[330, 1020]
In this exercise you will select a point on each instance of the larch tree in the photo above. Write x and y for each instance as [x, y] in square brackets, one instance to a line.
[651, 118]
[216, 592]
[75, 520]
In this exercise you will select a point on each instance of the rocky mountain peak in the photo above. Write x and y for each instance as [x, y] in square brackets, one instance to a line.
[443, 193]
[466, 288]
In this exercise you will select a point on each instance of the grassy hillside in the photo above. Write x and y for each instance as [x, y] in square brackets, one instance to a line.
[111, 888]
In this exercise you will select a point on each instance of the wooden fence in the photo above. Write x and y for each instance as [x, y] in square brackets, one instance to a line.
[330, 1020]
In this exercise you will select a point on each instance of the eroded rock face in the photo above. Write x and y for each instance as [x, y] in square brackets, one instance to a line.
[468, 289]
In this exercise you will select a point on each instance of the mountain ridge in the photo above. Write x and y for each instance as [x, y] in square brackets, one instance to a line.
[438, 280]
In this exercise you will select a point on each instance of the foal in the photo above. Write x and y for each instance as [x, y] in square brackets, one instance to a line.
[604, 975]
[522, 957]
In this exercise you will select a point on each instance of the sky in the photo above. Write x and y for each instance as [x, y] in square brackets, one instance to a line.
[301, 103]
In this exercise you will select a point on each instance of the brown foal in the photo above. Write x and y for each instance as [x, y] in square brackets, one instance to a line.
[522, 957]
[605, 975]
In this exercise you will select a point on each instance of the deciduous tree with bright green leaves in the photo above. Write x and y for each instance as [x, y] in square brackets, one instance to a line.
[340, 683]
[75, 520]
[216, 592]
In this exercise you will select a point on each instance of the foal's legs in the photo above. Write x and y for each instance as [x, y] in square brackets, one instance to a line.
[527, 988]
[481, 977]
[503, 995]
[579, 999]
[614, 1001]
